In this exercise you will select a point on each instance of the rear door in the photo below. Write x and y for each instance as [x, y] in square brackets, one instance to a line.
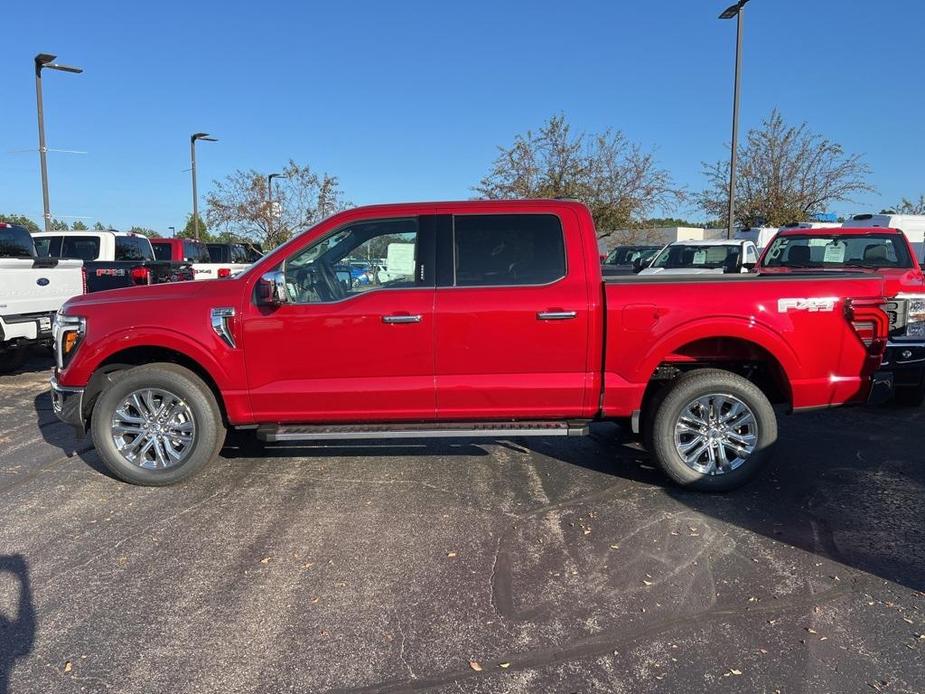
[512, 317]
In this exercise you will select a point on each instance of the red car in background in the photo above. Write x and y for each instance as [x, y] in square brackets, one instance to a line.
[876, 251]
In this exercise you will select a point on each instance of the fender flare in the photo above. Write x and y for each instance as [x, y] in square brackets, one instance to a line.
[733, 327]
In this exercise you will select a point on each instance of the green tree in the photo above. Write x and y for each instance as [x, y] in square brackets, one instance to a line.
[188, 232]
[20, 220]
[619, 182]
[58, 225]
[78, 226]
[786, 174]
[97, 226]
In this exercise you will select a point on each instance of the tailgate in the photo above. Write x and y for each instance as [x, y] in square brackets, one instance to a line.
[29, 287]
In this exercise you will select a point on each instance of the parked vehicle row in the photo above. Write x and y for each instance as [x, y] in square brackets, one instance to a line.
[200, 257]
[494, 320]
[33, 289]
[112, 259]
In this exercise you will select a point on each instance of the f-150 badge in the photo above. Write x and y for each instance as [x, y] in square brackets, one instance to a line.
[818, 305]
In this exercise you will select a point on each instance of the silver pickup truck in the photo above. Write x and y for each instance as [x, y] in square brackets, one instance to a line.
[31, 291]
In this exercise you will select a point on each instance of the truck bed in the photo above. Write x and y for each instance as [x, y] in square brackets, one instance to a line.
[676, 320]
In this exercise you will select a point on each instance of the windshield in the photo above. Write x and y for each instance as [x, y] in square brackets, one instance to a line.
[704, 257]
[838, 251]
[625, 255]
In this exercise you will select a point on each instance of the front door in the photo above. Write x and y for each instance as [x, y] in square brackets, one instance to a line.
[513, 319]
[355, 341]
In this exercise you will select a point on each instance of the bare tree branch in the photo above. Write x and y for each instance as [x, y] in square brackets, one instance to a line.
[620, 183]
[786, 174]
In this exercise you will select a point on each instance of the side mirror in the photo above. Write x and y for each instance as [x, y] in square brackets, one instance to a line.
[637, 264]
[749, 267]
[271, 289]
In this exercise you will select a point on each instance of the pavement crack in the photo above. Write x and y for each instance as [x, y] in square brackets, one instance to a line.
[401, 650]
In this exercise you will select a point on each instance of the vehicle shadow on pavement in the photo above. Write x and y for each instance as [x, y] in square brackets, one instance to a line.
[17, 631]
[833, 489]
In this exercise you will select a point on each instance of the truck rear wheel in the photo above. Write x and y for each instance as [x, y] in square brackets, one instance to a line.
[712, 430]
[156, 425]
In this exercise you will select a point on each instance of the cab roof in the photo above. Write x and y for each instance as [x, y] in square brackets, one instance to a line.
[839, 231]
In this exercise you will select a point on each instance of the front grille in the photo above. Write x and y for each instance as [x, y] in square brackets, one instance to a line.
[896, 310]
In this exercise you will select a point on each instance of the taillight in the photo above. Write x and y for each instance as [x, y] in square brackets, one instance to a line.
[141, 275]
[224, 272]
[83, 279]
[870, 322]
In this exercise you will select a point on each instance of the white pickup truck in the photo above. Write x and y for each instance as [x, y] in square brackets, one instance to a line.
[712, 257]
[31, 292]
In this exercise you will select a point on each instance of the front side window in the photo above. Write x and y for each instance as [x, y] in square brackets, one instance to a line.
[381, 254]
[706, 257]
[839, 251]
[508, 250]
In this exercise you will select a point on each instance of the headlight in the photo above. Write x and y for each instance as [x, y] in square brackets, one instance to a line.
[68, 333]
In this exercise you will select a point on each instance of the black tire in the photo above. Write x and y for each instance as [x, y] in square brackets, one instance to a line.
[11, 358]
[209, 427]
[685, 390]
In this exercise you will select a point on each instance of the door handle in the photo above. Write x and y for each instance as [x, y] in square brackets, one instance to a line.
[401, 319]
[556, 315]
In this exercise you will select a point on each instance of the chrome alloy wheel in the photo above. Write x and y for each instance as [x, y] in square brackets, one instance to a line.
[715, 434]
[153, 428]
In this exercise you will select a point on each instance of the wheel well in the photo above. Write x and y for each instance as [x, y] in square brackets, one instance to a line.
[138, 356]
[747, 359]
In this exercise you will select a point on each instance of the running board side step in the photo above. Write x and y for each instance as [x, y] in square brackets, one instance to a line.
[430, 430]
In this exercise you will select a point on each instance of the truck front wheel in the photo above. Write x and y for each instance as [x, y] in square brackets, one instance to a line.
[712, 430]
[156, 425]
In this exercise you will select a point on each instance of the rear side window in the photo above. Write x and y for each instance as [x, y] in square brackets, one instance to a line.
[216, 252]
[16, 242]
[47, 246]
[194, 252]
[133, 248]
[238, 254]
[161, 251]
[80, 247]
[508, 249]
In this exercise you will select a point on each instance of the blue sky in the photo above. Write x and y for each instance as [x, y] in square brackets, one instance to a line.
[408, 100]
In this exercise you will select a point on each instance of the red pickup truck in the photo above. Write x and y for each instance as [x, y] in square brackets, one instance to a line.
[884, 252]
[480, 318]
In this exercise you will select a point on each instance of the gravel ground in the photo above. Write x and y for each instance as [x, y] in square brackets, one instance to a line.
[518, 565]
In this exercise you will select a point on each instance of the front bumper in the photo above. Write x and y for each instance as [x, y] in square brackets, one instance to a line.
[67, 404]
[907, 363]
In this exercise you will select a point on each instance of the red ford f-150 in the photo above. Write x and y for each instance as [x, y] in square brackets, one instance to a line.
[479, 319]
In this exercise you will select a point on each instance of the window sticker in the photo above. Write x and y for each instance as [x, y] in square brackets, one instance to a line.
[834, 253]
[700, 257]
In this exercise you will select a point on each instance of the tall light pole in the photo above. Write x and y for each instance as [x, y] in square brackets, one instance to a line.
[737, 12]
[270, 197]
[192, 156]
[173, 231]
[43, 61]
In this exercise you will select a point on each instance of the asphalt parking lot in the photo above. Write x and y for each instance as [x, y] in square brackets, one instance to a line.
[508, 566]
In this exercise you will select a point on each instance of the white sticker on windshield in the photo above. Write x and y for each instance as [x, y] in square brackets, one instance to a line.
[700, 257]
[834, 253]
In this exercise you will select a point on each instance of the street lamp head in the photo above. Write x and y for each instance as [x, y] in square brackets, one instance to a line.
[64, 68]
[733, 10]
[203, 136]
[277, 175]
